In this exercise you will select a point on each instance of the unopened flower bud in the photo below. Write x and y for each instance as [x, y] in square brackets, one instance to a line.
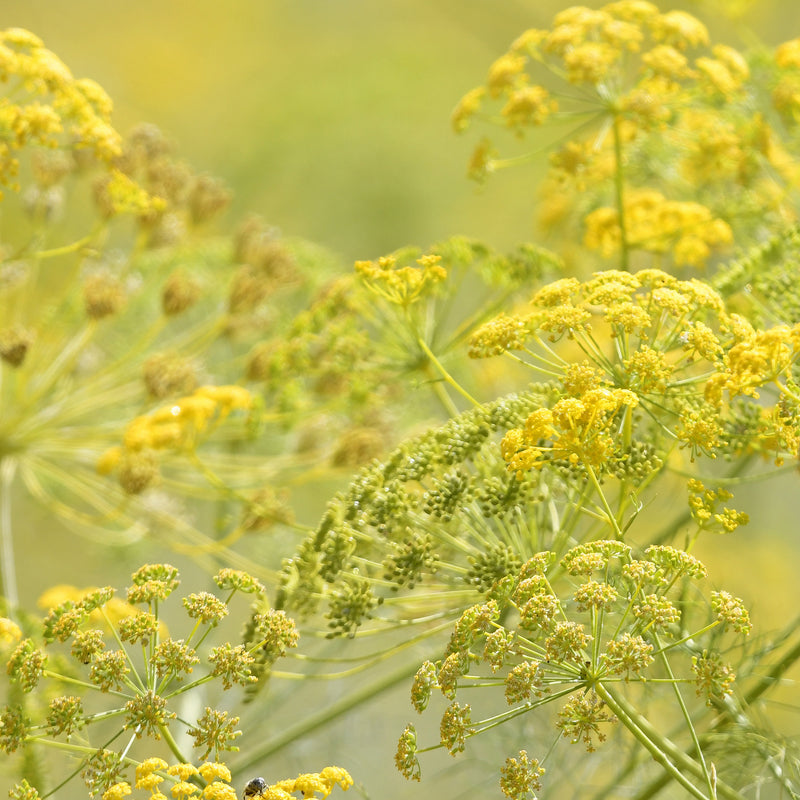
[103, 295]
[14, 344]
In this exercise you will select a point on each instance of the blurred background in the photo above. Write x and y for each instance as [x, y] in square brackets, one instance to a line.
[330, 120]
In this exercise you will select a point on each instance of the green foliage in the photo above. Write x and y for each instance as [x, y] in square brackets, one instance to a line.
[504, 436]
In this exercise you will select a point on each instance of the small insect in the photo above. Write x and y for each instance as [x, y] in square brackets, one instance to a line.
[255, 788]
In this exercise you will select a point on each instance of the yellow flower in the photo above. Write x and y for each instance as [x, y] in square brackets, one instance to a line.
[621, 34]
[117, 791]
[581, 17]
[679, 29]
[667, 62]
[718, 76]
[401, 285]
[213, 770]
[219, 791]
[590, 62]
[309, 784]
[497, 336]
[787, 55]
[9, 631]
[528, 105]
[183, 789]
[126, 197]
[183, 771]
[700, 432]
[528, 41]
[632, 10]
[504, 73]
[467, 107]
[333, 775]
[146, 770]
[733, 60]
[563, 38]
[556, 293]
[786, 96]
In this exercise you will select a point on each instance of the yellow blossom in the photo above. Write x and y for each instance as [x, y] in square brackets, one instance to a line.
[498, 335]
[528, 41]
[127, 197]
[629, 317]
[700, 431]
[219, 791]
[718, 76]
[183, 771]
[117, 791]
[528, 105]
[621, 34]
[183, 789]
[9, 631]
[582, 17]
[700, 339]
[787, 55]
[467, 107]
[213, 770]
[667, 62]
[648, 370]
[505, 73]
[556, 293]
[336, 775]
[733, 60]
[633, 10]
[590, 62]
[401, 285]
[679, 29]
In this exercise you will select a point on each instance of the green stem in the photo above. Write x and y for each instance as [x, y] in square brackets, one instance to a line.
[655, 748]
[65, 248]
[172, 744]
[612, 520]
[445, 374]
[685, 711]
[678, 758]
[766, 682]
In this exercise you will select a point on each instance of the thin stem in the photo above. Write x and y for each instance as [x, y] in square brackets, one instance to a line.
[8, 577]
[678, 757]
[445, 374]
[652, 747]
[685, 711]
[172, 744]
[612, 520]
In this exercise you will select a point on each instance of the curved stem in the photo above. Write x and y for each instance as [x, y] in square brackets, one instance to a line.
[679, 760]
[612, 519]
[710, 782]
[654, 748]
[172, 744]
[445, 374]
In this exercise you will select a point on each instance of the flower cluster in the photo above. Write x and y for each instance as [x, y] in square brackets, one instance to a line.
[401, 285]
[654, 90]
[212, 780]
[670, 351]
[126, 654]
[60, 107]
[181, 426]
[576, 630]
